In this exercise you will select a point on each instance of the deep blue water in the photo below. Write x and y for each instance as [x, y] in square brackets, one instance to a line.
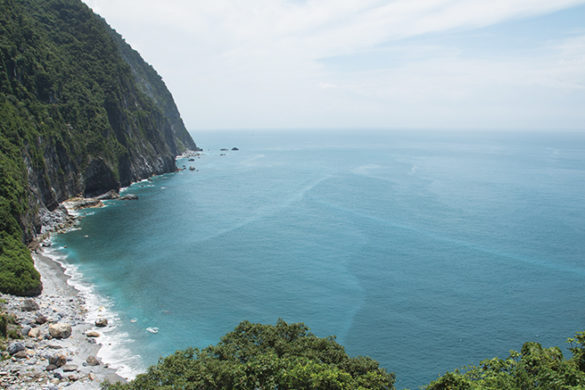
[426, 251]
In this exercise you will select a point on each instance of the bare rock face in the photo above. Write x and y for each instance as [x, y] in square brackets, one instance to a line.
[99, 175]
[60, 331]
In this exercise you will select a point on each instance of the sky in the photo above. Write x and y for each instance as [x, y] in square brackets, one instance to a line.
[387, 64]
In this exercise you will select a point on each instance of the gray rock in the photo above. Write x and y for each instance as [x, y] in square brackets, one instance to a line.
[20, 355]
[129, 197]
[15, 347]
[41, 319]
[86, 203]
[35, 333]
[29, 305]
[69, 368]
[92, 361]
[51, 367]
[101, 322]
[58, 360]
[112, 194]
[60, 331]
[24, 330]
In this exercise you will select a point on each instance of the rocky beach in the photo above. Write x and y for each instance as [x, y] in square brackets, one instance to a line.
[59, 338]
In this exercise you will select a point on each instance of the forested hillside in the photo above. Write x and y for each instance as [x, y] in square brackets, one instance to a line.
[81, 113]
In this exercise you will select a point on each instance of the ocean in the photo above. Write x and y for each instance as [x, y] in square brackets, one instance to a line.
[425, 250]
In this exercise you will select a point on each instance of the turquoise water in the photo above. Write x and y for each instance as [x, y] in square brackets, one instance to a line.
[426, 251]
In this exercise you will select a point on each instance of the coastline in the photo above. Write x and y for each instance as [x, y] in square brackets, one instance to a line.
[91, 354]
[59, 303]
[79, 365]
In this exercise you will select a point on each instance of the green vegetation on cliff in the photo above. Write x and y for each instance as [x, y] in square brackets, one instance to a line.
[256, 356]
[80, 113]
[17, 273]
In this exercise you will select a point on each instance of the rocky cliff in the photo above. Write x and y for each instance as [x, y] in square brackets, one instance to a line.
[80, 113]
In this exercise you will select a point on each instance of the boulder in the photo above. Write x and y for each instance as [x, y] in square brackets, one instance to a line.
[60, 330]
[92, 361]
[20, 355]
[29, 305]
[92, 333]
[111, 194]
[101, 322]
[15, 347]
[58, 360]
[35, 333]
[24, 330]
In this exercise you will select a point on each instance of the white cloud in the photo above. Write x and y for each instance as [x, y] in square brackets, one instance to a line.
[235, 63]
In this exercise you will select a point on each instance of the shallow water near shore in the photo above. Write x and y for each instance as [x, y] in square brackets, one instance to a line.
[426, 251]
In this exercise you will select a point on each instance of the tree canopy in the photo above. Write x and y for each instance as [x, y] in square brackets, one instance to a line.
[256, 356]
[287, 356]
[533, 368]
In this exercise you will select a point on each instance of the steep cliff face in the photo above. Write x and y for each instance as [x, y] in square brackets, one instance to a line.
[151, 84]
[81, 113]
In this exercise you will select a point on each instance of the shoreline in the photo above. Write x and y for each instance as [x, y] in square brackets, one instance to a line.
[59, 304]
[66, 301]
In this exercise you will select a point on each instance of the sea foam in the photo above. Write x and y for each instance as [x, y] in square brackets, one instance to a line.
[114, 342]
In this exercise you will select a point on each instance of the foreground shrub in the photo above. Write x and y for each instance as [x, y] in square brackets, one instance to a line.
[534, 367]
